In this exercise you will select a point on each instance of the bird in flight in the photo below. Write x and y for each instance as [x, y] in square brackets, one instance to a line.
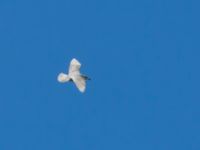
[74, 75]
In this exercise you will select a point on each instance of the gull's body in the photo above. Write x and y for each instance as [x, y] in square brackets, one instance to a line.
[74, 75]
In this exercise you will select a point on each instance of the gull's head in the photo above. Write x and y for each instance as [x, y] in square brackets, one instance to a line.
[62, 77]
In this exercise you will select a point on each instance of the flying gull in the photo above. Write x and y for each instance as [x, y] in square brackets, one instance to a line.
[74, 75]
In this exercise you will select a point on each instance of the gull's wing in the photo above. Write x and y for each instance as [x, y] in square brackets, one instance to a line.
[79, 82]
[74, 66]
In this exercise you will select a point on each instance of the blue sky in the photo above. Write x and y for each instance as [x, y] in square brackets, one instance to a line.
[142, 56]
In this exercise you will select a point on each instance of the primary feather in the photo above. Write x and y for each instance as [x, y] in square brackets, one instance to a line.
[74, 66]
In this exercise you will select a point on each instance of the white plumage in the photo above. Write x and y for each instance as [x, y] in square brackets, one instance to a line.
[74, 75]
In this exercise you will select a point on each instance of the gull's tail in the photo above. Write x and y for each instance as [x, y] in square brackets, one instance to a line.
[62, 77]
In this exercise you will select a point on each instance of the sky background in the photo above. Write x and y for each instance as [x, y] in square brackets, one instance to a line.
[143, 57]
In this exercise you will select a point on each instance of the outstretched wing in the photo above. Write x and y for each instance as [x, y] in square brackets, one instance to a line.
[75, 66]
[79, 82]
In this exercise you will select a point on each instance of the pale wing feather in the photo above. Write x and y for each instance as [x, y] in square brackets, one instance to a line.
[79, 82]
[75, 66]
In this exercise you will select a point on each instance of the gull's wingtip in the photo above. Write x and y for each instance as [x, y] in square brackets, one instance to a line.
[81, 88]
[75, 61]
[82, 91]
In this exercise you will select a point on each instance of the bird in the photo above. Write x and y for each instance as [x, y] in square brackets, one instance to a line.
[74, 75]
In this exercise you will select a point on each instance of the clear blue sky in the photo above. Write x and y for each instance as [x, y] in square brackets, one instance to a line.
[143, 58]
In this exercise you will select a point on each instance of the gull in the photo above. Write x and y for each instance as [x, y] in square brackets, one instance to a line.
[74, 75]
